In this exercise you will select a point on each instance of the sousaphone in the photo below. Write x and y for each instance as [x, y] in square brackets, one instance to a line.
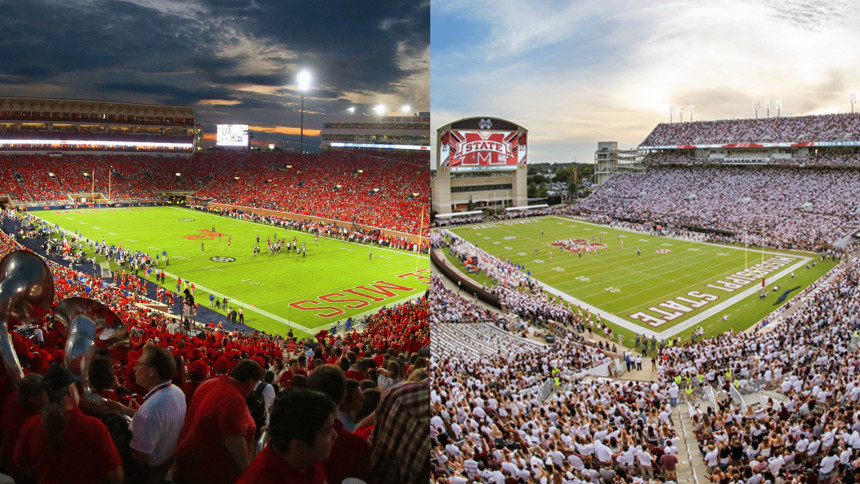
[26, 294]
[89, 324]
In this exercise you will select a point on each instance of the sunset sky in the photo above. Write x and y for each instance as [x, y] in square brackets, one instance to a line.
[578, 72]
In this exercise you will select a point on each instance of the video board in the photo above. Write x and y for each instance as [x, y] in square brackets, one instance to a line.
[232, 135]
[483, 150]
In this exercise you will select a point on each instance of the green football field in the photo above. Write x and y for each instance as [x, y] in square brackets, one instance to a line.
[334, 281]
[670, 287]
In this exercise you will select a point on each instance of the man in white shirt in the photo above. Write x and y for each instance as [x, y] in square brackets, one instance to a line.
[156, 424]
[712, 458]
[827, 467]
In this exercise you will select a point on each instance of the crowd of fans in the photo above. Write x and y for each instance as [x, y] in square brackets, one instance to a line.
[61, 436]
[389, 193]
[348, 186]
[799, 129]
[791, 208]
[490, 424]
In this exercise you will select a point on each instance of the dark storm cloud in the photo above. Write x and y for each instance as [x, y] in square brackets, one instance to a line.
[350, 45]
[170, 94]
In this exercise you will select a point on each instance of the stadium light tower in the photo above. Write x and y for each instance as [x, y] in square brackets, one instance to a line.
[778, 107]
[304, 79]
[852, 98]
[767, 107]
[756, 106]
[691, 112]
[671, 112]
[681, 113]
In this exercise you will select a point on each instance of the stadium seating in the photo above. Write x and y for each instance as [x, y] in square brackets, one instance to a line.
[800, 129]
[794, 208]
[346, 186]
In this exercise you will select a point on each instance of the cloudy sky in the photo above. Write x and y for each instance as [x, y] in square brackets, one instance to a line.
[235, 61]
[578, 72]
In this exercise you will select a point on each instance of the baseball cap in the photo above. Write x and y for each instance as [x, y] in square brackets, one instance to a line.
[198, 369]
[57, 378]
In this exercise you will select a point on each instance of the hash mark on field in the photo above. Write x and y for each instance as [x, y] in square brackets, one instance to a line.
[613, 289]
[723, 254]
[582, 279]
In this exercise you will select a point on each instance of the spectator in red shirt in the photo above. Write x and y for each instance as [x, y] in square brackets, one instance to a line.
[63, 445]
[197, 373]
[350, 456]
[301, 428]
[20, 407]
[215, 444]
[358, 371]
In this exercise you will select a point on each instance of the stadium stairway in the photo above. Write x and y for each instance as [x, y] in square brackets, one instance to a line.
[691, 463]
[19, 178]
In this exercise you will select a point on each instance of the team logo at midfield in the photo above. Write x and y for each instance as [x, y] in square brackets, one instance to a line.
[186, 220]
[205, 235]
[663, 251]
[222, 259]
[578, 244]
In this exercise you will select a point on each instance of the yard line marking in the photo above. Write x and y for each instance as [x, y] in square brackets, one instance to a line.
[250, 307]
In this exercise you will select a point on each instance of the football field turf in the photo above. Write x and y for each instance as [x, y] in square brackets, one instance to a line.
[670, 288]
[277, 291]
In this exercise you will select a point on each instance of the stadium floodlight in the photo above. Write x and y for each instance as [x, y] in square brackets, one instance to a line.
[852, 98]
[304, 79]
[671, 112]
[691, 112]
[351, 109]
[405, 108]
[778, 107]
[380, 109]
[767, 107]
[271, 146]
[756, 106]
[361, 171]
[681, 113]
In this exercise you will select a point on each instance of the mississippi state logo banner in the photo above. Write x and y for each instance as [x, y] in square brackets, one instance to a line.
[487, 150]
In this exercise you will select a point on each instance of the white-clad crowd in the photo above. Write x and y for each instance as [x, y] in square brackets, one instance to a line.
[784, 207]
[827, 127]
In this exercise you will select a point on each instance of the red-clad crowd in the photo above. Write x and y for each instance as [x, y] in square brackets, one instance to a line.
[333, 408]
[385, 192]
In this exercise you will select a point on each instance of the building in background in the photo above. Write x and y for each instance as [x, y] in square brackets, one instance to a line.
[42, 125]
[480, 165]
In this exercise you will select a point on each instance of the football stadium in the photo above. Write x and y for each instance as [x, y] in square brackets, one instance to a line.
[134, 262]
[691, 320]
